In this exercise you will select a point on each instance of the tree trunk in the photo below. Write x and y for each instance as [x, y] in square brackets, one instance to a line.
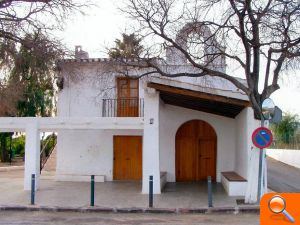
[3, 148]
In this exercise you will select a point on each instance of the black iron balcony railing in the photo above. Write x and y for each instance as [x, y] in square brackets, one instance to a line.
[123, 107]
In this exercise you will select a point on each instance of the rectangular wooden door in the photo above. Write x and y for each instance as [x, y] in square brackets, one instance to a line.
[128, 97]
[127, 158]
[206, 157]
[186, 159]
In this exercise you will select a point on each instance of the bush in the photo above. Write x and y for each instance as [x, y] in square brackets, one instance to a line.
[287, 133]
[18, 145]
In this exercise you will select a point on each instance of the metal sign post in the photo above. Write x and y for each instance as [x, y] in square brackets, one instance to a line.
[262, 137]
[32, 199]
[150, 191]
[209, 190]
[261, 158]
[92, 190]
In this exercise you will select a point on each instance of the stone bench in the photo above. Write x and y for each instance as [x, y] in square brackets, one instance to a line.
[234, 184]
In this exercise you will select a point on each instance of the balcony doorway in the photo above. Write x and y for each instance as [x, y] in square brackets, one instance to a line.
[128, 97]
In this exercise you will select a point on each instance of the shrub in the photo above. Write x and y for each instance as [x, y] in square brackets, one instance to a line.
[18, 145]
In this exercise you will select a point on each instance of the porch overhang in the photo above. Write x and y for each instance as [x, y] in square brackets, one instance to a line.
[201, 101]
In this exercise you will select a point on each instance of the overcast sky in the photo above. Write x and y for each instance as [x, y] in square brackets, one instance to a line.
[105, 23]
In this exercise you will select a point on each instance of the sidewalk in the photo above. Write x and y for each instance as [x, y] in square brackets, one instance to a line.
[17, 161]
[16, 164]
[112, 195]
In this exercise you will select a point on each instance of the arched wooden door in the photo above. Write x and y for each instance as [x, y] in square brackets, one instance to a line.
[196, 149]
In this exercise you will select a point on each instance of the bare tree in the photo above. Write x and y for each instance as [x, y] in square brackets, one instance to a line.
[18, 18]
[261, 37]
[29, 25]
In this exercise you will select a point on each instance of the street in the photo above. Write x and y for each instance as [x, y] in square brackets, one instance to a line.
[62, 218]
[282, 177]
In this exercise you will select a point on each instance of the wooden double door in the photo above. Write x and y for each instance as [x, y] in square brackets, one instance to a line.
[196, 145]
[127, 164]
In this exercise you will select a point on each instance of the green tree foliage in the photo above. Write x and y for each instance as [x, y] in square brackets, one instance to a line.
[286, 130]
[32, 78]
[27, 56]
[18, 145]
[4, 137]
[33, 73]
[129, 47]
[27, 29]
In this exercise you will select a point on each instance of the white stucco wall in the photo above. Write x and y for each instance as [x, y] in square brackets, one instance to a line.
[172, 117]
[87, 152]
[287, 156]
[243, 141]
[241, 144]
[84, 88]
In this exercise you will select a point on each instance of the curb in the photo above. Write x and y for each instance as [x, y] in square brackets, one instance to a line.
[193, 210]
[128, 210]
[160, 210]
[234, 210]
[249, 209]
[11, 168]
[98, 209]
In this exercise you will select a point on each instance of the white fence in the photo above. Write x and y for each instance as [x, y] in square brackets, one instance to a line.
[290, 157]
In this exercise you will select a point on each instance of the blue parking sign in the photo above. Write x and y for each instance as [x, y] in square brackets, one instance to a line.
[262, 137]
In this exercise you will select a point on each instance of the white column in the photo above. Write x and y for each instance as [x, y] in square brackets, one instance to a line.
[252, 184]
[32, 155]
[151, 141]
[253, 162]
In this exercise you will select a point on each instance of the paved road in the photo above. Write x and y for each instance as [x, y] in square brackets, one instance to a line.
[282, 177]
[44, 218]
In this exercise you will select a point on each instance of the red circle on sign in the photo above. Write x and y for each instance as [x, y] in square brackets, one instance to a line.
[256, 132]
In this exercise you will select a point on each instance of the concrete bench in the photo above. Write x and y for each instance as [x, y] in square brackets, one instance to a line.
[234, 184]
[163, 179]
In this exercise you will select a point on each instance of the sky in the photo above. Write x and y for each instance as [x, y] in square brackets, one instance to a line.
[104, 23]
[98, 29]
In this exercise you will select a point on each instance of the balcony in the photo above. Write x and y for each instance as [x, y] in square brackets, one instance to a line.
[123, 107]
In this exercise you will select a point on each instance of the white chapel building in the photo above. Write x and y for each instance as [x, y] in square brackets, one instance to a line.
[118, 127]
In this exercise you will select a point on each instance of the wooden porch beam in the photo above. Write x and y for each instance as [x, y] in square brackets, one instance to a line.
[198, 94]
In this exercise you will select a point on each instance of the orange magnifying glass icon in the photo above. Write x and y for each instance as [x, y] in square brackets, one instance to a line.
[277, 205]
